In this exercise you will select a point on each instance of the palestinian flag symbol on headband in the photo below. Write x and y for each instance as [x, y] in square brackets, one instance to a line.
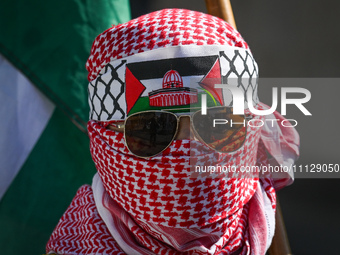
[170, 82]
[146, 81]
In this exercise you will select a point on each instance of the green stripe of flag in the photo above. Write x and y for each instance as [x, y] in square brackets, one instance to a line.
[49, 42]
[57, 166]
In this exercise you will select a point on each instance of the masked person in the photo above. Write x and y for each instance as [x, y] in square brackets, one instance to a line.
[158, 189]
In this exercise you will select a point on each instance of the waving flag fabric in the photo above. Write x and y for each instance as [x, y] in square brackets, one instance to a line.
[44, 150]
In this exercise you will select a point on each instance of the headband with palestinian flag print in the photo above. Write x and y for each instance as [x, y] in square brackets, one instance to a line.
[171, 78]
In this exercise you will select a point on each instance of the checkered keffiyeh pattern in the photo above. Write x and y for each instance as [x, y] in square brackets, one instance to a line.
[186, 218]
[169, 27]
[163, 189]
[107, 226]
[158, 206]
[82, 231]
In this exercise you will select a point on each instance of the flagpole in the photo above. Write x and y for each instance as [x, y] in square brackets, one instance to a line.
[221, 9]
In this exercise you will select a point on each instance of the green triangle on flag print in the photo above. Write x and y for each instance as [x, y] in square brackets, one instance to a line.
[44, 149]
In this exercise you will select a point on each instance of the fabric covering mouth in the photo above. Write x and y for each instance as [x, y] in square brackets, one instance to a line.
[164, 189]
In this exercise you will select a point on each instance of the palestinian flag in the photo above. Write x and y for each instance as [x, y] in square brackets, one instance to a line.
[44, 148]
[172, 83]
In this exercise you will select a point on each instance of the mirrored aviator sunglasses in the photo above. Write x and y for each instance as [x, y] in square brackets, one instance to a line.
[151, 132]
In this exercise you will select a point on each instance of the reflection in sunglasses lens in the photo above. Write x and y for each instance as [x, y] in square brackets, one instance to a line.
[225, 137]
[149, 133]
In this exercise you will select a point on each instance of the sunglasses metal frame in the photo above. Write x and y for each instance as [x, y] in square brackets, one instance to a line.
[178, 117]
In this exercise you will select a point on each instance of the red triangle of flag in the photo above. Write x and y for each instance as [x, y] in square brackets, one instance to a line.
[133, 89]
[213, 77]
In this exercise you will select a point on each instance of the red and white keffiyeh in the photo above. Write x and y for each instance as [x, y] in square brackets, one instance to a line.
[158, 205]
[122, 204]
[82, 230]
[160, 29]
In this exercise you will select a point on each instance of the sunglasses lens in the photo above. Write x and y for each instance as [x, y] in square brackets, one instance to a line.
[149, 133]
[229, 132]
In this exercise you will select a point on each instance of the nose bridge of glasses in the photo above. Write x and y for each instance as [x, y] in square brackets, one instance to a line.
[184, 130]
